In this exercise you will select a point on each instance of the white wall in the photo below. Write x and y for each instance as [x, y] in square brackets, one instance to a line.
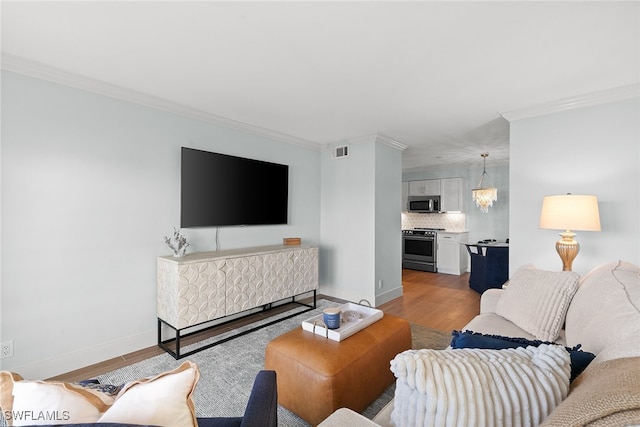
[388, 230]
[90, 185]
[592, 150]
[347, 224]
[360, 223]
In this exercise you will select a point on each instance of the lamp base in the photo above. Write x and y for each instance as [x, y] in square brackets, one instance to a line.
[568, 249]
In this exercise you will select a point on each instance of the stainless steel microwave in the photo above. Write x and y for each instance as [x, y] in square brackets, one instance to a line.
[424, 204]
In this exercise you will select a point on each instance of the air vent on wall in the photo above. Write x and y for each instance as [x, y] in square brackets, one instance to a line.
[342, 151]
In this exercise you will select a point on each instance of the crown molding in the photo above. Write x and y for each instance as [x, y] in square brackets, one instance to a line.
[393, 143]
[586, 100]
[371, 137]
[42, 71]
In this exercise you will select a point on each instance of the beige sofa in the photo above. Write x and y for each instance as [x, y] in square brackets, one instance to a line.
[600, 311]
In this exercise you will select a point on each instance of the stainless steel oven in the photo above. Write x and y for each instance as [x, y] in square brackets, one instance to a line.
[419, 249]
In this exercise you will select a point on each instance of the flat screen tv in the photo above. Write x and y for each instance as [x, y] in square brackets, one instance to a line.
[223, 190]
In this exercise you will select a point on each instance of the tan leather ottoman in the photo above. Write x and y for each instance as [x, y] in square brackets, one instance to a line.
[316, 375]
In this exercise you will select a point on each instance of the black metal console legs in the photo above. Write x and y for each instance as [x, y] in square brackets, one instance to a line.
[167, 346]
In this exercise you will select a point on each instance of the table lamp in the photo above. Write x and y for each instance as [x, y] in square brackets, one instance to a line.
[569, 212]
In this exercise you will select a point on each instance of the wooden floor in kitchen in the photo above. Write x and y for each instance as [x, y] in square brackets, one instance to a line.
[440, 301]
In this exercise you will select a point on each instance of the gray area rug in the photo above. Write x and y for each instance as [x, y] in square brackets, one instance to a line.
[227, 370]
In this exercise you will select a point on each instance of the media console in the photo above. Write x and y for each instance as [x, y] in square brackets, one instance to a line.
[202, 288]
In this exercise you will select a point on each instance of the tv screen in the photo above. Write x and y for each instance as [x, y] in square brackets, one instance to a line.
[222, 190]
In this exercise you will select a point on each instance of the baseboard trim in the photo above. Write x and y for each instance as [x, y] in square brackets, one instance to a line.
[388, 296]
[68, 362]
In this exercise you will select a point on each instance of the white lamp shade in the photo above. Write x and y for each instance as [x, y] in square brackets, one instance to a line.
[570, 212]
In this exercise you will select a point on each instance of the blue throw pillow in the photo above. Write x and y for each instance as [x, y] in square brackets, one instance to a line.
[469, 339]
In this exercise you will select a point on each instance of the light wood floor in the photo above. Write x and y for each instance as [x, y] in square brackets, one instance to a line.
[439, 301]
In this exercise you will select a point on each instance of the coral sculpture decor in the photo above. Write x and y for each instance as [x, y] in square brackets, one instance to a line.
[177, 243]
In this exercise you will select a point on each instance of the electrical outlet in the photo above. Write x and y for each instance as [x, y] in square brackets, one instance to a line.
[6, 349]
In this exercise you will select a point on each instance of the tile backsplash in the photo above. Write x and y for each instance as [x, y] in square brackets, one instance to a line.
[448, 221]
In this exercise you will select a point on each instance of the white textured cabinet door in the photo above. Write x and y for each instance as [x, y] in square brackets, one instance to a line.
[167, 295]
[451, 197]
[189, 294]
[278, 276]
[201, 292]
[244, 283]
[305, 264]
[428, 187]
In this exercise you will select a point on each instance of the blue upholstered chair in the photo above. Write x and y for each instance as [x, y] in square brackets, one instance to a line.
[261, 410]
[489, 266]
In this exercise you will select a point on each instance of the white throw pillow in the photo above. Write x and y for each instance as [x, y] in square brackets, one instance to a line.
[27, 402]
[537, 300]
[164, 400]
[466, 387]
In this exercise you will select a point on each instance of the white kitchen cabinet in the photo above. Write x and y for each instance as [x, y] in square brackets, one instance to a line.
[449, 189]
[452, 256]
[405, 196]
[427, 187]
[451, 195]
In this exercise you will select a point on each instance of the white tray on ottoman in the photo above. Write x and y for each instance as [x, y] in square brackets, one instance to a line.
[367, 316]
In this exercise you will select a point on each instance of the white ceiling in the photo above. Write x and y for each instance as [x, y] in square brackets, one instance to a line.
[433, 76]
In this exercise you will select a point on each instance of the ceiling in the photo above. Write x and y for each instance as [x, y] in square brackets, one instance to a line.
[432, 76]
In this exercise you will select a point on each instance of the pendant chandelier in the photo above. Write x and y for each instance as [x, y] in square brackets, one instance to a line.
[484, 196]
